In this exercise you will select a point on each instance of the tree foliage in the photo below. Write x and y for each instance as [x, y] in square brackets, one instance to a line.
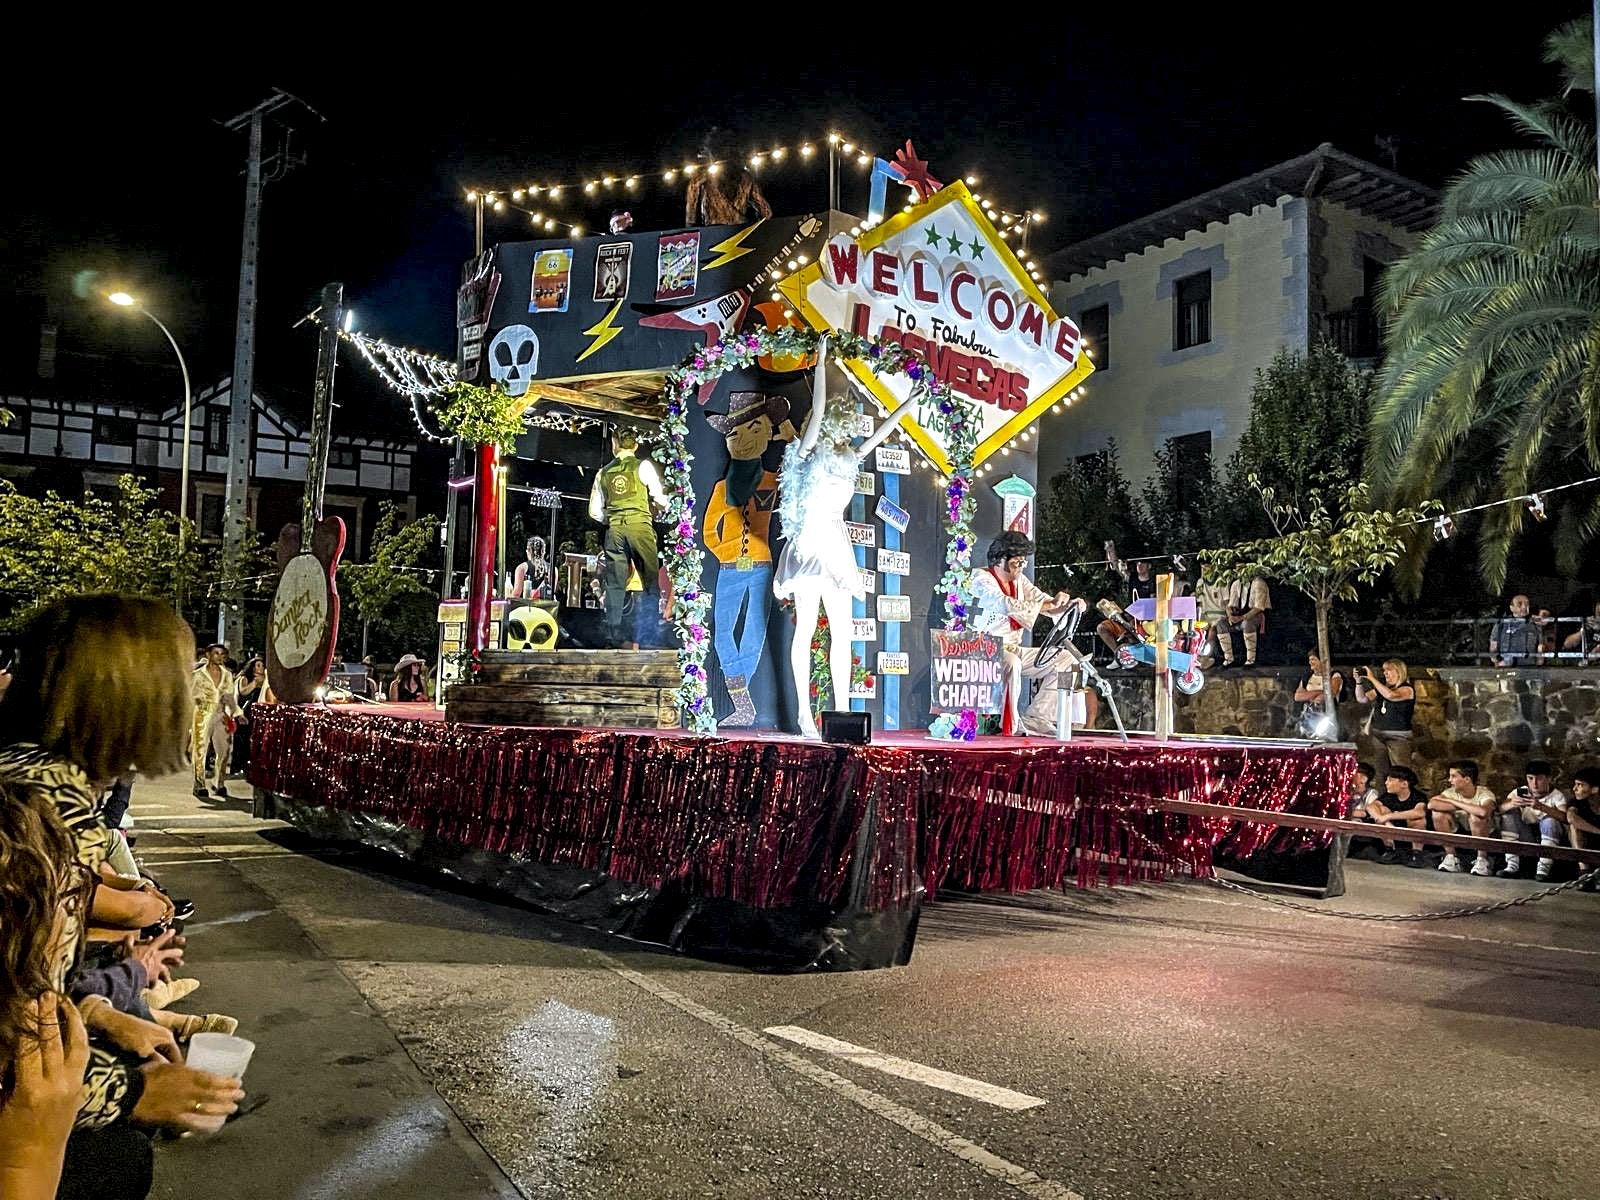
[1184, 506]
[1318, 554]
[1089, 503]
[400, 565]
[1308, 419]
[1492, 384]
[480, 416]
[51, 547]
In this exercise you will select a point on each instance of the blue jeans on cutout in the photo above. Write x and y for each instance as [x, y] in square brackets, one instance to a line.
[749, 592]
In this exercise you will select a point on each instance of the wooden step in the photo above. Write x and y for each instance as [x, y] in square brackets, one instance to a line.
[479, 692]
[538, 668]
[576, 657]
[499, 712]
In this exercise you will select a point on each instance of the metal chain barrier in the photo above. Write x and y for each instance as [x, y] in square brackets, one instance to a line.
[1444, 915]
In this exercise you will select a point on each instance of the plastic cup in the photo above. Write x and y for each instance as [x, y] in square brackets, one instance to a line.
[219, 1054]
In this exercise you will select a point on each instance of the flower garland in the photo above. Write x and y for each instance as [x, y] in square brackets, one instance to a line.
[479, 416]
[684, 559]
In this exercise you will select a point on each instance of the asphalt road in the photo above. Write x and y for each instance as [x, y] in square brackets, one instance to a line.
[1159, 1041]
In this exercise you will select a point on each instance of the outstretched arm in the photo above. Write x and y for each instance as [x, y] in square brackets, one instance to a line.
[881, 434]
[819, 400]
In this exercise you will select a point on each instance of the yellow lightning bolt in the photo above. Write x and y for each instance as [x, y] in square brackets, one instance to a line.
[732, 248]
[602, 331]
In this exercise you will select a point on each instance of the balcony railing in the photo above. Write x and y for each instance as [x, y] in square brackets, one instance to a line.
[1355, 332]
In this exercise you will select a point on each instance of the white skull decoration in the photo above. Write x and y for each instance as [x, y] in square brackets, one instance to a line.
[513, 358]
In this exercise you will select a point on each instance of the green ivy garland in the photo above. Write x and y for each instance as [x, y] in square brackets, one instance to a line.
[684, 558]
[479, 416]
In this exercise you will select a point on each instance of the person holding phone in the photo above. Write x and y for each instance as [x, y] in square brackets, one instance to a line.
[1394, 701]
[1539, 806]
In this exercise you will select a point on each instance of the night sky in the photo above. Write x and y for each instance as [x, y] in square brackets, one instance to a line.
[1096, 122]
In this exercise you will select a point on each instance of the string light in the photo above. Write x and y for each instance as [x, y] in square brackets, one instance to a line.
[803, 150]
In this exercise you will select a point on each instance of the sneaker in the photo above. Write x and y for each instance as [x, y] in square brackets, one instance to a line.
[1417, 859]
[200, 791]
[1481, 866]
[182, 910]
[1512, 868]
[1450, 863]
[221, 793]
[1542, 871]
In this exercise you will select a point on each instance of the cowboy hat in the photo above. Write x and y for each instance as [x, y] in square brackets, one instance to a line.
[405, 661]
[747, 406]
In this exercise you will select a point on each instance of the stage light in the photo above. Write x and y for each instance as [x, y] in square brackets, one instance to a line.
[349, 319]
[1443, 528]
[1536, 508]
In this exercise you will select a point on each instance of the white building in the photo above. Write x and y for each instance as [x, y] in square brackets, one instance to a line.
[104, 438]
[1181, 307]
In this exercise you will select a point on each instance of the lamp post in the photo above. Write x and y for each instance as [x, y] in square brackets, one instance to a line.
[123, 300]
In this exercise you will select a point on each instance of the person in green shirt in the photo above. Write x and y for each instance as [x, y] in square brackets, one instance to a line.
[626, 492]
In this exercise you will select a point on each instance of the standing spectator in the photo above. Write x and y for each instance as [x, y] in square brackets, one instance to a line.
[1466, 806]
[1311, 694]
[408, 687]
[1585, 641]
[1394, 700]
[1583, 816]
[214, 720]
[1537, 804]
[1246, 602]
[247, 692]
[1401, 804]
[1514, 640]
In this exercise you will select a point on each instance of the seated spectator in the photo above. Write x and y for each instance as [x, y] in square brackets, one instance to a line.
[1313, 720]
[1464, 807]
[407, 687]
[369, 681]
[1400, 804]
[1394, 702]
[1536, 805]
[1583, 816]
[1514, 640]
[68, 728]
[1247, 602]
[1362, 792]
[1585, 641]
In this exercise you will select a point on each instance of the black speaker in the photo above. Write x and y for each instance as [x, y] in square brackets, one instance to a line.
[852, 727]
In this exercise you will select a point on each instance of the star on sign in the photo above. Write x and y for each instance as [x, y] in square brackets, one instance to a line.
[977, 248]
[932, 234]
[953, 242]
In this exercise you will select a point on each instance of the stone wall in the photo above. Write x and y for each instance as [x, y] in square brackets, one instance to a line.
[1499, 717]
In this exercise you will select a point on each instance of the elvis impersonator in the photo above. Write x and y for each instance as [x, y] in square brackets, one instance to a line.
[1008, 604]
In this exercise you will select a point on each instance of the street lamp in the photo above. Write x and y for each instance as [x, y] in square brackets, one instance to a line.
[123, 300]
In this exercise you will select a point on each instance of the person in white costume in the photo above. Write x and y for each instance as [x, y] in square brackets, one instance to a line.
[817, 568]
[1008, 604]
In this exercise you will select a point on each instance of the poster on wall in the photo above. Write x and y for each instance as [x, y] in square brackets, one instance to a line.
[480, 282]
[967, 672]
[552, 281]
[677, 265]
[613, 270]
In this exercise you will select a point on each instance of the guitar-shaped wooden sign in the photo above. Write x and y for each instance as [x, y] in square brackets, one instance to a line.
[303, 625]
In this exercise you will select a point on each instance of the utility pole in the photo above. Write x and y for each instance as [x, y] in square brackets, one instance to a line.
[236, 492]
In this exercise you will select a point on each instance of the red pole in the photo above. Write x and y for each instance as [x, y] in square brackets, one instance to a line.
[485, 542]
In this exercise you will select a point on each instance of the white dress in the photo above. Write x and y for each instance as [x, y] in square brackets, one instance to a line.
[813, 492]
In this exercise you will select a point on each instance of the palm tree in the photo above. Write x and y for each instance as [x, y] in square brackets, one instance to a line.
[1492, 383]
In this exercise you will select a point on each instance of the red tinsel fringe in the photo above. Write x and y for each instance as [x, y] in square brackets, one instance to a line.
[774, 823]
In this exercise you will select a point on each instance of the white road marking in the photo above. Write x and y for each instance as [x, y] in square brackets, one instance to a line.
[961, 1085]
[1009, 1173]
[158, 818]
[230, 919]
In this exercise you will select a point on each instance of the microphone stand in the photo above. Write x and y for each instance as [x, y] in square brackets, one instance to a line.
[1082, 663]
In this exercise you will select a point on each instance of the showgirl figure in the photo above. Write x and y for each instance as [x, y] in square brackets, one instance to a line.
[817, 568]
